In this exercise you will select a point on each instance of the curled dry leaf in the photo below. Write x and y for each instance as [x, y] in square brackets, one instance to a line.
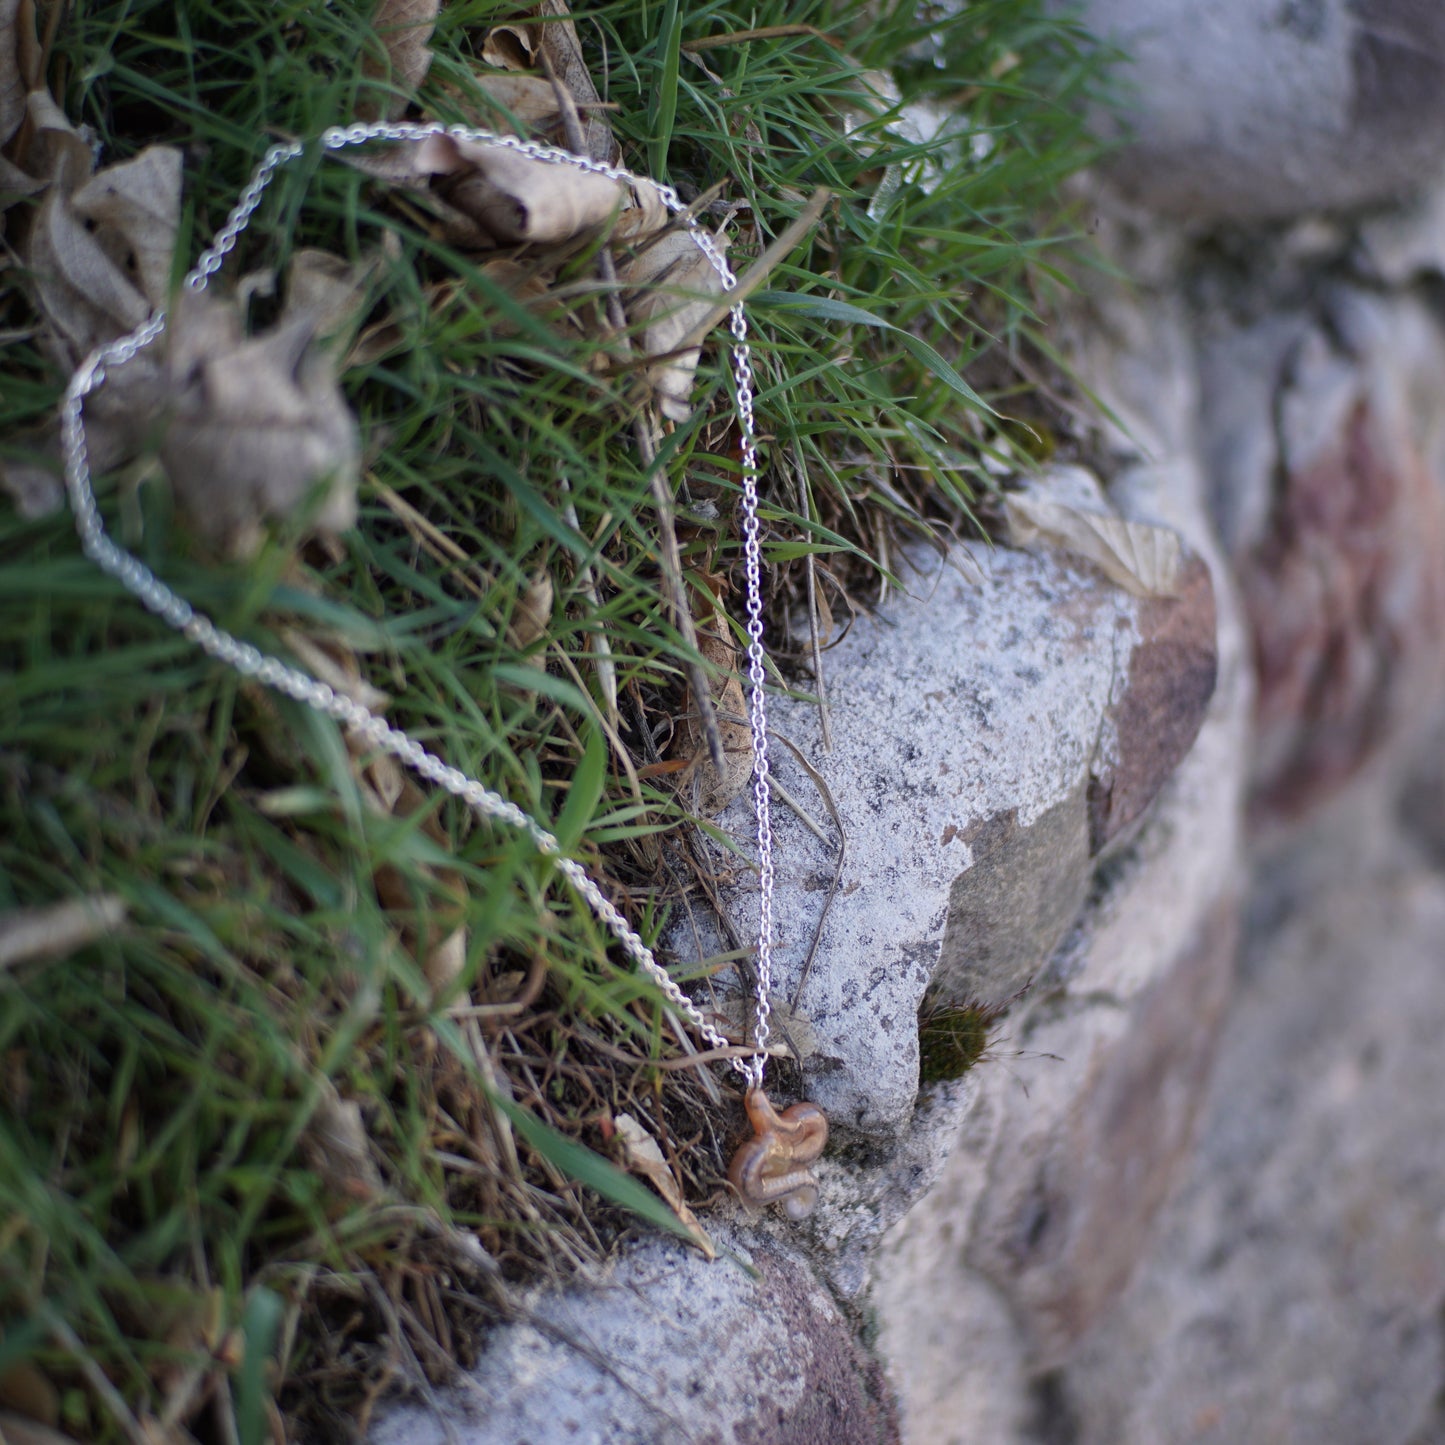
[674, 287]
[563, 54]
[404, 28]
[716, 790]
[100, 248]
[133, 209]
[1143, 559]
[510, 47]
[642, 1156]
[254, 424]
[331, 291]
[514, 198]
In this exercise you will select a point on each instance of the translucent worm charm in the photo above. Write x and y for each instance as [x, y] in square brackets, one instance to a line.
[772, 1169]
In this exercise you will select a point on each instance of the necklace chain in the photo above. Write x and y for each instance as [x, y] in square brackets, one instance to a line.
[376, 732]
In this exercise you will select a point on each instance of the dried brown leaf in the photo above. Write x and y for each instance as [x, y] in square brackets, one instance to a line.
[533, 613]
[336, 1147]
[514, 198]
[84, 292]
[134, 209]
[331, 290]
[675, 287]
[715, 790]
[527, 99]
[404, 28]
[58, 929]
[562, 54]
[643, 1156]
[1141, 558]
[510, 47]
[255, 424]
[335, 665]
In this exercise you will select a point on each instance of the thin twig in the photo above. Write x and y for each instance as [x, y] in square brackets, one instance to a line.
[95, 1377]
[601, 647]
[805, 511]
[766, 32]
[669, 553]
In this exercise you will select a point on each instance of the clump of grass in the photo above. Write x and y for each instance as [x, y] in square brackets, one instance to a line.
[253, 1162]
[952, 1040]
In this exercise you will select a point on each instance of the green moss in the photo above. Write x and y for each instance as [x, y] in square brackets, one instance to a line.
[951, 1041]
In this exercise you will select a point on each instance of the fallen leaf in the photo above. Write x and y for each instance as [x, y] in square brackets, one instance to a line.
[642, 1155]
[336, 666]
[134, 209]
[255, 424]
[404, 28]
[336, 1148]
[58, 929]
[510, 47]
[330, 290]
[675, 286]
[515, 198]
[533, 613]
[84, 293]
[528, 100]
[563, 52]
[714, 790]
[35, 489]
[1141, 558]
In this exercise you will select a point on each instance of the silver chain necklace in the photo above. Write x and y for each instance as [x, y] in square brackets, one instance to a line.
[769, 1168]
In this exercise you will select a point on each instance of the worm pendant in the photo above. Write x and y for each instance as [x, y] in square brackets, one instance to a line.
[772, 1168]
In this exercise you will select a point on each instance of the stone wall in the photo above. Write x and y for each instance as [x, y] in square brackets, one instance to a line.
[1160, 787]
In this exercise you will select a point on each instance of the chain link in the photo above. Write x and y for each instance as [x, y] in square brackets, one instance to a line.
[291, 681]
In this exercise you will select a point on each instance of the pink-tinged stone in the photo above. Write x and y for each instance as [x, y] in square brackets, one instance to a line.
[1171, 673]
[1068, 1207]
[1345, 594]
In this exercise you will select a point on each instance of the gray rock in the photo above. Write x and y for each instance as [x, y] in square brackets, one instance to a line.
[1250, 111]
[1294, 1292]
[670, 1350]
[978, 695]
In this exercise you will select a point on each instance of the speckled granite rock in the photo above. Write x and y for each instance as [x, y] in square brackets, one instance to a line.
[994, 728]
[668, 1349]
